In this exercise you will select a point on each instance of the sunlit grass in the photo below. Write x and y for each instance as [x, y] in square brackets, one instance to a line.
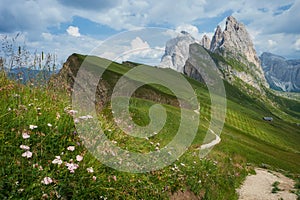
[59, 166]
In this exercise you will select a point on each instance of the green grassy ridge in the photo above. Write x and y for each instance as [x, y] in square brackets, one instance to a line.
[254, 110]
[19, 179]
[245, 139]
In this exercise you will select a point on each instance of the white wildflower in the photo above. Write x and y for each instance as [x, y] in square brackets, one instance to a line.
[32, 127]
[90, 170]
[27, 154]
[25, 135]
[72, 167]
[89, 116]
[24, 147]
[47, 180]
[57, 160]
[71, 148]
[86, 117]
[79, 158]
[72, 112]
[76, 120]
[50, 125]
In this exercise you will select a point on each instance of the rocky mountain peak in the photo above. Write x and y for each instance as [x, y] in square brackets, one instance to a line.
[231, 22]
[234, 44]
[205, 42]
[177, 51]
[237, 41]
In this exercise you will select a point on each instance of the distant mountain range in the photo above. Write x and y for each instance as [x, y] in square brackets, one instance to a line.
[233, 52]
[282, 74]
[24, 75]
[231, 49]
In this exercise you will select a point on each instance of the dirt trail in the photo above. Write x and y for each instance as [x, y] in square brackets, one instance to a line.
[216, 141]
[259, 186]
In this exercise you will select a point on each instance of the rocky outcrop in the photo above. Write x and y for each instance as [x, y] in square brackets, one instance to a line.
[217, 39]
[235, 43]
[66, 77]
[205, 42]
[200, 66]
[65, 80]
[237, 40]
[177, 52]
[281, 74]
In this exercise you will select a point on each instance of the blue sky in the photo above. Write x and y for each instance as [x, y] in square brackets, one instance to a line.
[67, 26]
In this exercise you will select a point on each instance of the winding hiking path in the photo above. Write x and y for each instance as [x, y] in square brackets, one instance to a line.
[216, 141]
[259, 186]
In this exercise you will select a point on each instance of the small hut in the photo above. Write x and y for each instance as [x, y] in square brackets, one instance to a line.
[269, 119]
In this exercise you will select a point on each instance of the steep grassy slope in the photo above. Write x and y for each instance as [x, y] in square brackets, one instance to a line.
[247, 141]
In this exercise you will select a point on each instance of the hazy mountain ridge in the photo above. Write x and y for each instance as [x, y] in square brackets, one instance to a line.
[282, 74]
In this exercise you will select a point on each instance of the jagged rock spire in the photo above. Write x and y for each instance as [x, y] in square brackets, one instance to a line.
[217, 39]
[205, 42]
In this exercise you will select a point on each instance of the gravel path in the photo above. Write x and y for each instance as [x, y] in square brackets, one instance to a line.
[259, 186]
[216, 141]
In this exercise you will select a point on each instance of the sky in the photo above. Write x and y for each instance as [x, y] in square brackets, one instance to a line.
[63, 27]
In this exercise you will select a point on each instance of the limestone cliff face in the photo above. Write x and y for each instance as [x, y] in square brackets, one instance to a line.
[177, 52]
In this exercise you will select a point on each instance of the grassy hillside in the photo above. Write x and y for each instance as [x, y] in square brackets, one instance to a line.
[247, 141]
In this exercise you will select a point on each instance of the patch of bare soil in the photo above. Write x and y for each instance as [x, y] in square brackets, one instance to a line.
[259, 186]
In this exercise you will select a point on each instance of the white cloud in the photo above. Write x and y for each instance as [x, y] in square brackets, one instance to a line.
[141, 52]
[138, 43]
[297, 44]
[265, 19]
[47, 36]
[73, 31]
[193, 30]
[272, 43]
[137, 50]
[30, 16]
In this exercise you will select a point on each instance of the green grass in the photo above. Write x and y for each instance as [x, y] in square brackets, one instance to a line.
[275, 188]
[247, 141]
